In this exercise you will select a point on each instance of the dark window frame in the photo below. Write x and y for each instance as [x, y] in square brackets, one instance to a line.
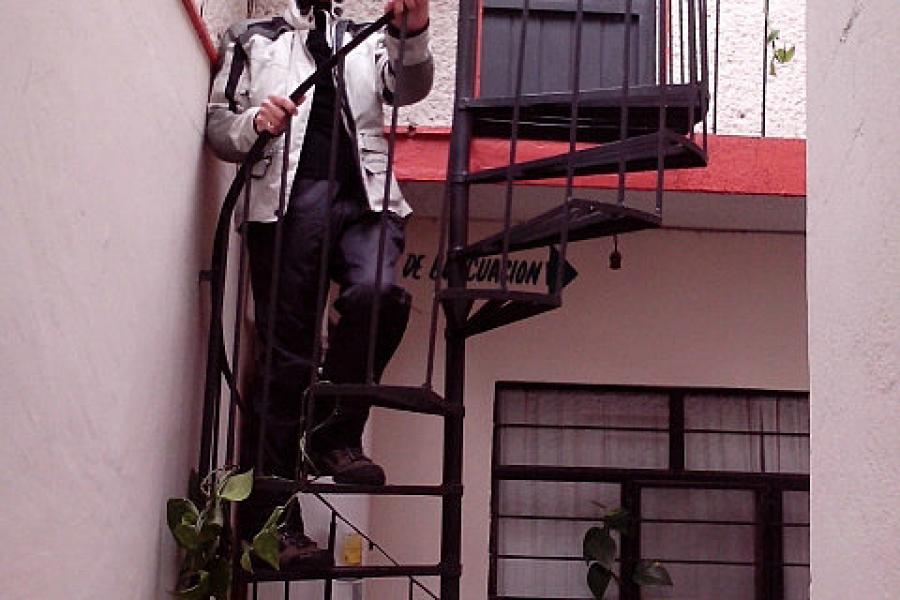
[769, 488]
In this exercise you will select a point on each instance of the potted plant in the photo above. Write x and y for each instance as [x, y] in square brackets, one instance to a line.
[201, 530]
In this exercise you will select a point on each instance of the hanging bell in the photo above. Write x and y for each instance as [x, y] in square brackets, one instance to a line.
[615, 257]
[615, 260]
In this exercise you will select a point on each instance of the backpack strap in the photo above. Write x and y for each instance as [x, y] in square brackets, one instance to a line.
[241, 34]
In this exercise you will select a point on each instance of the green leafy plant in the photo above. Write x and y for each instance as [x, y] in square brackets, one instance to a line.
[599, 549]
[782, 55]
[203, 535]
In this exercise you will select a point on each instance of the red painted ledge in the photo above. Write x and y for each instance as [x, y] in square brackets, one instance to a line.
[737, 165]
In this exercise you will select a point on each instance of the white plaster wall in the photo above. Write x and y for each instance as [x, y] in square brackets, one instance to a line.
[854, 297]
[106, 205]
[741, 66]
[688, 308]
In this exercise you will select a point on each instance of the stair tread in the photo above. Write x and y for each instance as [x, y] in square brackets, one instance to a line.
[587, 219]
[548, 116]
[406, 398]
[638, 153]
[538, 299]
[342, 572]
[322, 487]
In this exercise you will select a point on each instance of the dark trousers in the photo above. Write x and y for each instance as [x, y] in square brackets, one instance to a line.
[352, 263]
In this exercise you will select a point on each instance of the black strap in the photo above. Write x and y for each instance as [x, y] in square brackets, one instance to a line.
[238, 60]
[270, 29]
[343, 26]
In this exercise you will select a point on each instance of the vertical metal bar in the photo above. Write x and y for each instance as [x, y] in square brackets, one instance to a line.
[759, 546]
[494, 539]
[692, 51]
[255, 591]
[332, 536]
[410, 593]
[514, 142]
[771, 557]
[242, 290]
[455, 366]
[287, 590]
[573, 142]
[704, 70]
[216, 430]
[681, 37]
[676, 432]
[630, 552]
[765, 81]
[666, 5]
[661, 131]
[692, 40]
[440, 263]
[716, 92]
[623, 98]
[374, 319]
[212, 389]
[309, 399]
[273, 302]
[775, 548]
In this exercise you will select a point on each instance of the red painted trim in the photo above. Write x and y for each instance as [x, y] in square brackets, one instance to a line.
[737, 165]
[202, 33]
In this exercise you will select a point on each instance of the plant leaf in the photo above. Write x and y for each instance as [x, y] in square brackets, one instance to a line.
[618, 520]
[181, 510]
[599, 546]
[651, 572]
[773, 36]
[237, 488]
[598, 580]
[789, 53]
[246, 562]
[265, 545]
[200, 591]
[186, 536]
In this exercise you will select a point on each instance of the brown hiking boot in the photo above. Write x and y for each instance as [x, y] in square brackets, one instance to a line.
[295, 549]
[348, 466]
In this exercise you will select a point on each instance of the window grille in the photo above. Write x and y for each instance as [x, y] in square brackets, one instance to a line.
[716, 480]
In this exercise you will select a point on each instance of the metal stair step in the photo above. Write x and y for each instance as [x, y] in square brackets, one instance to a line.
[587, 219]
[322, 487]
[548, 116]
[367, 572]
[406, 398]
[637, 153]
[500, 307]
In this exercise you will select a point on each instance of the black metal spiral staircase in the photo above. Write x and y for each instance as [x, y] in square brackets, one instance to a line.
[633, 126]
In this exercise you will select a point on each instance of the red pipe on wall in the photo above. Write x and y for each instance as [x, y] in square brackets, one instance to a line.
[202, 33]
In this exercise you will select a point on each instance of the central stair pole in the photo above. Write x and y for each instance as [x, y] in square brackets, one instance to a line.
[455, 368]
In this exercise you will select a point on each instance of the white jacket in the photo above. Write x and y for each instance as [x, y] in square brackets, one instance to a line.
[278, 66]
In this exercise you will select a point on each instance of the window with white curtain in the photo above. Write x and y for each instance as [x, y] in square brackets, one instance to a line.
[716, 481]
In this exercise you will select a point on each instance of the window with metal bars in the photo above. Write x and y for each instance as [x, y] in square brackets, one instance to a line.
[716, 482]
